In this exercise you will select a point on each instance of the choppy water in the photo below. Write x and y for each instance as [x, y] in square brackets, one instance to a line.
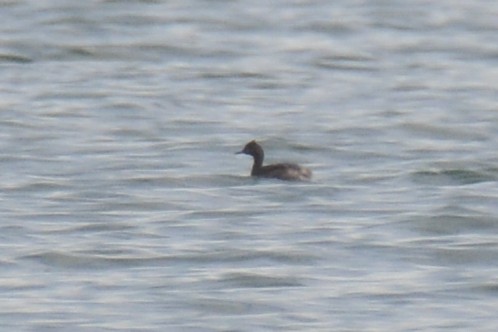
[123, 207]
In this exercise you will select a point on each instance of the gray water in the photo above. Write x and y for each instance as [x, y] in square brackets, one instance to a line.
[124, 208]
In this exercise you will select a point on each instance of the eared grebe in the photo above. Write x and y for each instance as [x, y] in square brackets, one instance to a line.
[284, 171]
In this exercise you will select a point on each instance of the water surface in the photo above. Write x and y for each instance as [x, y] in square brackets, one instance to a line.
[123, 206]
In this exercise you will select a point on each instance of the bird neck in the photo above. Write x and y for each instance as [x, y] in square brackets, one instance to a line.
[258, 163]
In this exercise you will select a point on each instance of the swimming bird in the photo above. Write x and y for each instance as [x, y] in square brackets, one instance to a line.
[284, 171]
